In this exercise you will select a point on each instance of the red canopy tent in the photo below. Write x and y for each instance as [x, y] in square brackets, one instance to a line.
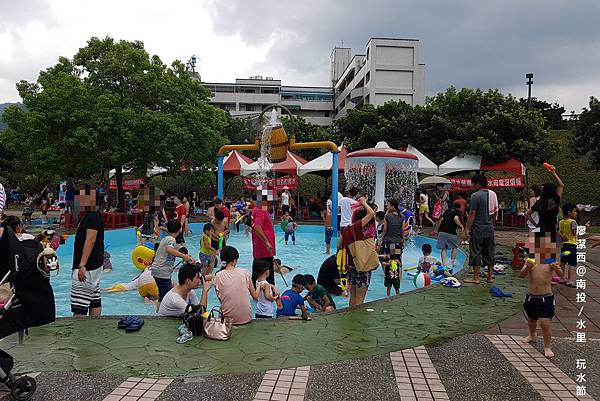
[235, 162]
[288, 166]
[514, 167]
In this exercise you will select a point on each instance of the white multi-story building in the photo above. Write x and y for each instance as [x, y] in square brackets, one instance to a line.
[389, 70]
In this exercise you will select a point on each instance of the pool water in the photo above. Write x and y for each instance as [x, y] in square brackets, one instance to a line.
[305, 258]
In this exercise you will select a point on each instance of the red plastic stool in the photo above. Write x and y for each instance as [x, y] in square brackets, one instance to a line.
[518, 261]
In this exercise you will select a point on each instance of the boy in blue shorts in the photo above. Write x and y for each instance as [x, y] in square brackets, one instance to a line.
[291, 299]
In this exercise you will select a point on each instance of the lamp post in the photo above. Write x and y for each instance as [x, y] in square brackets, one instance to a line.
[529, 77]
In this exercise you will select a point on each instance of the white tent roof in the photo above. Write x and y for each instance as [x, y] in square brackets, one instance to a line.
[425, 165]
[321, 163]
[460, 163]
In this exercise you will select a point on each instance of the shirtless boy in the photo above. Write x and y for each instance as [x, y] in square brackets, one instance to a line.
[539, 302]
[220, 224]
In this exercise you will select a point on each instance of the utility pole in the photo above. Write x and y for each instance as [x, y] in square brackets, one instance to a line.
[529, 77]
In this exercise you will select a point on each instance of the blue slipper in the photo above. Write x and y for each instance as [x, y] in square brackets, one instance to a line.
[134, 325]
[125, 321]
[497, 292]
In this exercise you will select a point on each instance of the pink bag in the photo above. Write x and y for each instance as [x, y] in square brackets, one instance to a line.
[437, 210]
[217, 326]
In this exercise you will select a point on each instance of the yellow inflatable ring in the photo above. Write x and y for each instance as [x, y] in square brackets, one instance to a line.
[141, 257]
[149, 290]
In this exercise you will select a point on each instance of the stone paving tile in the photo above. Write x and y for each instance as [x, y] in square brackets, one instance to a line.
[284, 384]
[472, 369]
[549, 381]
[71, 386]
[369, 379]
[138, 389]
[416, 377]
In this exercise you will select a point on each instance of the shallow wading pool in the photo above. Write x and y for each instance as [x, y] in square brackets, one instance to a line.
[305, 258]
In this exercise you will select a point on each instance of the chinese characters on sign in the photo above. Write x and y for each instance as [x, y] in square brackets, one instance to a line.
[271, 183]
[464, 184]
[580, 300]
[128, 185]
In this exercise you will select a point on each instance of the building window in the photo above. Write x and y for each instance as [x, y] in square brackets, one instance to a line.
[248, 107]
[326, 114]
[368, 77]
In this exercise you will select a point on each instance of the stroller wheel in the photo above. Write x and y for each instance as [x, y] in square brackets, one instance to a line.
[23, 388]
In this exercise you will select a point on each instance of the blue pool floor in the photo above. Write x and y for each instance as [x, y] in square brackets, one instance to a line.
[304, 258]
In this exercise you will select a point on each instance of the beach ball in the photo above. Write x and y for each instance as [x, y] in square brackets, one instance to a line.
[422, 280]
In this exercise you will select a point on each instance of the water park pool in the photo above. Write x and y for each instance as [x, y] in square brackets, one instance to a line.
[305, 257]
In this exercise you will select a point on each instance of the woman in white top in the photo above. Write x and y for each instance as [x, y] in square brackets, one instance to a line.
[15, 224]
[535, 192]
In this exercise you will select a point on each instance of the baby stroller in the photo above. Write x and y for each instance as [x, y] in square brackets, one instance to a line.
[26, 265]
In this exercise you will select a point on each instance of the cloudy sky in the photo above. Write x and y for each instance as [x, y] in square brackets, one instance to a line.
[465, 43]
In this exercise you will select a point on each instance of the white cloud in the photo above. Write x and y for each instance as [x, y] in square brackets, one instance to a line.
[464, 42]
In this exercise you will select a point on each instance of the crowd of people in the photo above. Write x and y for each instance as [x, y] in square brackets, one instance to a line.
[365, 233]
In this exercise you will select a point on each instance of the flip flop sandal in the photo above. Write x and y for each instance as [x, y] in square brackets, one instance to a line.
[497, 292]
[184, 338]
[125, 321]
[135, 325]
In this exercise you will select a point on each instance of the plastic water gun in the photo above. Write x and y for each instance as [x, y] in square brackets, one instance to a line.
[548, 261]
[221, 239]
[344, 286]
[549, 167]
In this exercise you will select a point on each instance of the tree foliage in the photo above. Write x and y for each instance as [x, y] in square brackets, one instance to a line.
[113, 106]
[552, 112]
[452, 123]
[587, 132]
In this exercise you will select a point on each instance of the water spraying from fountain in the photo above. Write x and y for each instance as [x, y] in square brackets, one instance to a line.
[383, 173]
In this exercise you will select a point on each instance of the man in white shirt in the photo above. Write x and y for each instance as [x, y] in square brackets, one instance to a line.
[179, 297]
[285, 200]
[346, 207]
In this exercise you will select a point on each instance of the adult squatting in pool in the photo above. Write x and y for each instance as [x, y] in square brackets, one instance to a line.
[142, 257]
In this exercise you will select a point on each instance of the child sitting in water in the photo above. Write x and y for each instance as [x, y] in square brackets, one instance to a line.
[318, 297]
[539, 301]
[291, 299]
[430, 264]
[208, 254]
[267, 294]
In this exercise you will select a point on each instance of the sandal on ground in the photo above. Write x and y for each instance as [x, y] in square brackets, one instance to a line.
[134, 325]
[125, 321]
[497, 292]
[185, 337]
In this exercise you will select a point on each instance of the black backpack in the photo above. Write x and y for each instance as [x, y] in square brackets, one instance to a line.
[192, 318]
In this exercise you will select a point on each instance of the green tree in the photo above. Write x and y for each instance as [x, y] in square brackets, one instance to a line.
[308, 132]
[587, 132]
[114, 106]
[452, 123]
[552, 112]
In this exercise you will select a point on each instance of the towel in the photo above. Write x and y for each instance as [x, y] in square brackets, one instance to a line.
[492, 202]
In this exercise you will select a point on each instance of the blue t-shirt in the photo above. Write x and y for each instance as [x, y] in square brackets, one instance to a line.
[290, 300]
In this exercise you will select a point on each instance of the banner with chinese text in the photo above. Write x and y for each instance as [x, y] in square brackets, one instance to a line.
[128, 185]
[464, 184]
[271, 183]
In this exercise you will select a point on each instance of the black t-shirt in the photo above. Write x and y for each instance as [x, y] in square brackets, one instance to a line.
[448, 224]
[547, 213]
[328, 272]
[92, 221]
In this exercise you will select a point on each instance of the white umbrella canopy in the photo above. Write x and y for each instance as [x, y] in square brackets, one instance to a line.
[324, 163]
[434, 180]
[425, 165]
[460, 163]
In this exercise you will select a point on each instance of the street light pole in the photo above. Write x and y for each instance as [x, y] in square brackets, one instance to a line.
[529, 77]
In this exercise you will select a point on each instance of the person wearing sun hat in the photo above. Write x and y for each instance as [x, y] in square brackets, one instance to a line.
[285, 200]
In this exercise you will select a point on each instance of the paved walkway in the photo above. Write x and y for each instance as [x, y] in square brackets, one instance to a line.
[472, 367]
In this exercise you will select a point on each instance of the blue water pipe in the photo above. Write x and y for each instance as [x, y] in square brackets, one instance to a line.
[334, 192]
[220, 176]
